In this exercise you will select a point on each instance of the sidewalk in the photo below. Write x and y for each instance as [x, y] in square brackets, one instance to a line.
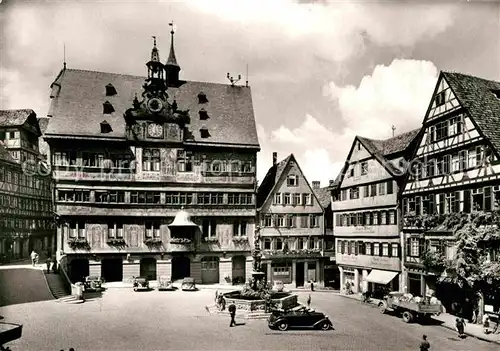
[448, 321]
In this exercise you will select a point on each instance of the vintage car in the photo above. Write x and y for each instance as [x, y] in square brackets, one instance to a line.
[141, 283]
[188, 284]
[299, 317]
[165, 283]
[93, 283]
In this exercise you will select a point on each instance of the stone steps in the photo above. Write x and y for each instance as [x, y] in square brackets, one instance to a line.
[56, 285]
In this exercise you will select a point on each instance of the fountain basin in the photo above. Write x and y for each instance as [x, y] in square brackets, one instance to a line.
[280, 300]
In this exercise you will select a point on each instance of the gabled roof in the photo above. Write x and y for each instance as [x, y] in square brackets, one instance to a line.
[43, 122]
[14, 118]
[76, 107]
[323, 196]
[5, 154]
[475, 94]
[273, 177]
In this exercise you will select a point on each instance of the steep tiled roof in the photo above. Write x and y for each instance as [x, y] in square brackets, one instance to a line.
[475, 94]
[13, 118]
[272, 176]
[77, 107]
[43, 122]
[323, 195]
[5, 154]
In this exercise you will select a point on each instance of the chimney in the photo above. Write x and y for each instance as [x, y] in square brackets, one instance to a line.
[275, 158]
[316, 184]
[331, 182]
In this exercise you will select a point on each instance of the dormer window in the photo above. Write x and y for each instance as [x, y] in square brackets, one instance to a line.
[203, 114]
[107, 108]
[204, 132]
[202, 98]
[110, 90]
[496, 92]
[106, 127]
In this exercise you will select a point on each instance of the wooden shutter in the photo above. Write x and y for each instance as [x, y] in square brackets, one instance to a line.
[338, 223]
[487, 198]
[456, 207]
[356, 247]
[467, 207]
[342, 247]
[294, 221]
[311, 221]
[432, 204]
[390, 186]
[361, 248]
[389, 249]
[421, 246]
[408, 247]
[441, 203]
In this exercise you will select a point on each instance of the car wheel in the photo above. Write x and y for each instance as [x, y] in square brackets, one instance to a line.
[407, 317]
[382, 307]
[325, 326]
[283, 325]
[135, 289]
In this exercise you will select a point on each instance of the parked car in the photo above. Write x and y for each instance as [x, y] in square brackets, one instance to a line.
[165, 283]
[141, 283]
[301, 317]
[93, 283]
[188, 284]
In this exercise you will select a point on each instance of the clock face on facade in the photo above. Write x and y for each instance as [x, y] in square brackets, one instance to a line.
[155, 105]
[155, 130]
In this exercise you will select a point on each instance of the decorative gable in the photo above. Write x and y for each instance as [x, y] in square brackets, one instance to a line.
[443, 101]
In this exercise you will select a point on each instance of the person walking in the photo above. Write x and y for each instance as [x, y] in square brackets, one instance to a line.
[34, 257]
[460, 324]
[309, 301]
[425, 345]
[232, 313]
[47, 262]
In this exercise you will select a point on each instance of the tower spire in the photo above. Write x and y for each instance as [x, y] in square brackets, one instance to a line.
[172, 68]
[155, 55]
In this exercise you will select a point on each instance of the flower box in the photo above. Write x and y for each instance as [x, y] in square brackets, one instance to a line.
[240, 239]
[116, 242]
[180, 241]
[79, 243]
[212, 239]
[153, 241]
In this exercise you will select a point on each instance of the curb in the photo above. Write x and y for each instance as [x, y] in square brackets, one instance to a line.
[443, 325]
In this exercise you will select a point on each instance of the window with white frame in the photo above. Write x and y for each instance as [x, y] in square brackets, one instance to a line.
[477, 199]
[381, 188]
[310, 243]
[296, 199]
[364, 168]
[151, 160]
[292, 180]
[209, 228]
[152, 229]
[267, 243]
[313, 221]
[301, 243]
[368, 249]
[394, 250]
[376, 249]
[240, 228]
[277, 198]
[385, 249]
[307, 199]
[268, 221]
[414, 247]
[287, 199]
[279, 244]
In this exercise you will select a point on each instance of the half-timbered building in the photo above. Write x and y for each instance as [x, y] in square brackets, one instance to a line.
[26, 221]
[155, 175]
[366, 217]
[455, 169]
[291, 225]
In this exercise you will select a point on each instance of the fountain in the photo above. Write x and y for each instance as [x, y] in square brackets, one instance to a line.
[253, 296]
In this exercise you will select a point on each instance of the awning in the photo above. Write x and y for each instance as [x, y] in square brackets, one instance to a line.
[381, 277]
[182, 219]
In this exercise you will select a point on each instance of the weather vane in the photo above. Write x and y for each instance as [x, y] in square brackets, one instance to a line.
[154, 40]
[171, 24]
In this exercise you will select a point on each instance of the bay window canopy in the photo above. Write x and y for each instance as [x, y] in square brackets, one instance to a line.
[182, 219]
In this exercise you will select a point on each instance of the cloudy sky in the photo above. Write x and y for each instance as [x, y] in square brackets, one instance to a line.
[321, 72]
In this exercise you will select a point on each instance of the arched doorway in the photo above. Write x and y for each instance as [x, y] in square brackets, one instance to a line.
[210, 269]
[181, 267]
[148, 268]
[78, 269]
[238, 269]
[112, 269]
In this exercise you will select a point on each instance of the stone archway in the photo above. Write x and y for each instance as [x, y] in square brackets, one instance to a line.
[112, 269]
[239, 269]
[148, 268]
[181, 267]
[78, 269]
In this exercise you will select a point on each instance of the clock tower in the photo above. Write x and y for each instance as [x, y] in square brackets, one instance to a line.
[153, 119]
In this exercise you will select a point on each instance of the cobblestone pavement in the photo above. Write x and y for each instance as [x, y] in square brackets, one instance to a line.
[21, 285]
[124, 320]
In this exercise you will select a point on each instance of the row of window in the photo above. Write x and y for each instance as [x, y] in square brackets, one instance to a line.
[12, 201]
[91, 159]
[479, 199]
[452, 163]
[446, 129]
[155, 197]
[293, 199]
[295, 243]
[152, 228]
[19, 178]
[371, 190]
[22, 156]
[351, 247]
[290, 221]
[9, 135]
[26, 223]
[366, 218]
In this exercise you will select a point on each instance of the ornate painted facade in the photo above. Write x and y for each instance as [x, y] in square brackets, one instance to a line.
[131, 154]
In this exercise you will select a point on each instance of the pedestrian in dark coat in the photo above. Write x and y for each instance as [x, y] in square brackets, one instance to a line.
[232, 312]
[309, 301]
[425, 345]
[460, 324]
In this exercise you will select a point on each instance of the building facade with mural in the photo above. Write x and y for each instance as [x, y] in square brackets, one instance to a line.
[366, 216]
[458, 173]
[292, 226]
[155, 176]
[26, 213]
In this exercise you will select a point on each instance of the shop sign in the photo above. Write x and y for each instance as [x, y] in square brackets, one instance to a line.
[390, 263]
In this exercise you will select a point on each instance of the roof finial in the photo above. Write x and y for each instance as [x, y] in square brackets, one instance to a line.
[155, 55]
[154, 41]
[393, 129]
[64, 55]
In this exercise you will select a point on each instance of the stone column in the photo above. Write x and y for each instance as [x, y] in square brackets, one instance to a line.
[356, 281]
[306, 271]
[248, 268]
[342, 282]
[294, 272]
